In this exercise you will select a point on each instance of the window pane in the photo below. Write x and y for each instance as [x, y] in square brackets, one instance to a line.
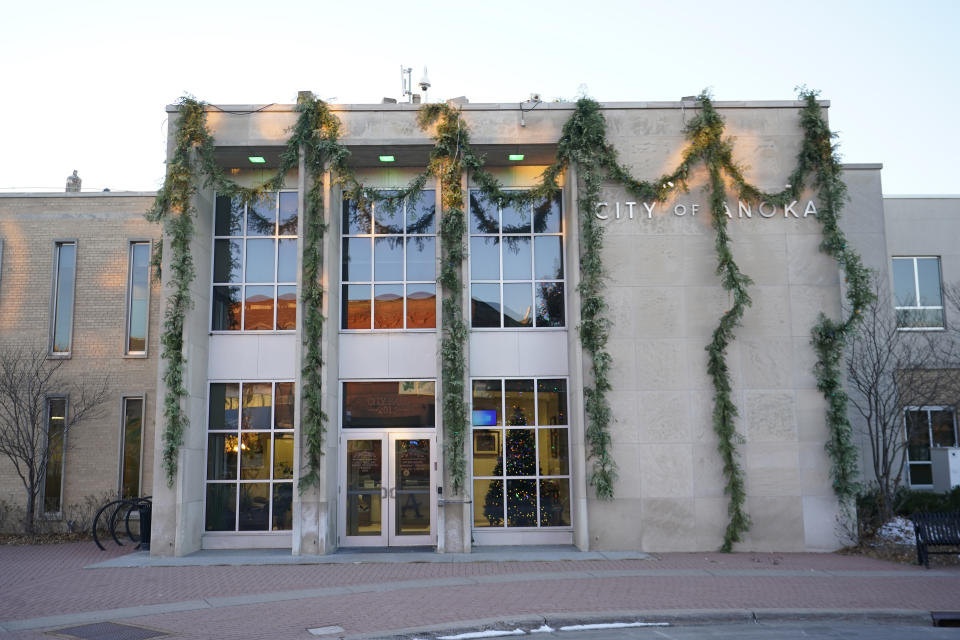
[517, 305]
[388, 259]
[229, 217]
[227, 260]
[553, 452]
[904, 287]
[391, 403]
[283, 413]
[221, 507]
[286, 307]
[139, 291]
[421, 306]
[388, 216]
[223, 450]
[258, 309]
[63, 297]
[549, 258]
[257, 405]
[919, 318]
[485, 305]
[521, 503]
[130, 460]
[521, 452]
[488, 452]
[421, 259]
[224, 405]
[551, 401]
[941, 426]
[288, 214]
[255, 456]
[921, 474]
[520, 402]
[484, 258]
[254, 507]
[484, 217]
[262, 216]
[516, 258]
[356, 259]
[918, 436]
[928, 275]
[488, 503]
[516, 218]
[388, 306]
[283, 455]
[226, 309]
[356, 306]
[53, 482]
[548, 215]
[550, 308]
[487, 403]
[355, 221]
[287, 261]
[282, 506]
[555, 503]
[421, 213]
[260, 260]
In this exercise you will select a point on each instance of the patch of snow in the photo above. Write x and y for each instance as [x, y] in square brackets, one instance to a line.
[491, 633]
[613, 625]
[543, 629]
[899, 530]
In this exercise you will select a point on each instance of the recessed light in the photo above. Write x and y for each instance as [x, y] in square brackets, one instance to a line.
[515, 157]
[256, 159]
[387, 159]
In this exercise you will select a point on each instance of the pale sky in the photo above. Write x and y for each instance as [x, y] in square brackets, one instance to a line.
[85, 82]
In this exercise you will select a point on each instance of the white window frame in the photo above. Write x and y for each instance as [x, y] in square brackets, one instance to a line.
[501, 281]
[927, 409]
[54, 301]
[243, 284]
[404, 281]
[128, 311]
[916, 293]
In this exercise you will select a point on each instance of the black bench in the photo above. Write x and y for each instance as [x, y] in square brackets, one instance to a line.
[935, 530]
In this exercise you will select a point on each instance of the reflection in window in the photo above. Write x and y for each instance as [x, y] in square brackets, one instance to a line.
[389, 403]
[255, 264]
[916, 287]
[250, 456]
[521, 460]
[131, 448]
[64, 281]
[388, 264]
[138, 290]
[927, 427]
[56, 432]
[516, 264]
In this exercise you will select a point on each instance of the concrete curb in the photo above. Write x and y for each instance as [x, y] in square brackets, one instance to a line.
[674, 617]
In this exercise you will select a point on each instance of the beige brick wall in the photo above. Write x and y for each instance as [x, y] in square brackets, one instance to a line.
[102, 225]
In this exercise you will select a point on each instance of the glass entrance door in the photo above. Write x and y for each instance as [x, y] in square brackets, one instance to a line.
[387, 490]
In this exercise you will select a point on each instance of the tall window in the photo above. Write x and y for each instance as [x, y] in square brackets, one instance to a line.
[516, 264]
[64, 281]
[138, 297]
[255, 264]
[131, 447]
[521, 459]
[250, 457]
[927, 427]
[53, 479]
[916, 286]
[388, 266]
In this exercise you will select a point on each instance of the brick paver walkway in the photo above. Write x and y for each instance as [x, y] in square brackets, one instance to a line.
[282, 601]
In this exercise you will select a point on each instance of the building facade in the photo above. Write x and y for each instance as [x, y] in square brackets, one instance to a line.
[385, 480]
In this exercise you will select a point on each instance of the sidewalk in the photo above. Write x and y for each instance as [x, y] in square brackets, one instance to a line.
[234, 595]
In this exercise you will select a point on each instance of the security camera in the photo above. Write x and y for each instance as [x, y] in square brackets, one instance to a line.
[424, 81]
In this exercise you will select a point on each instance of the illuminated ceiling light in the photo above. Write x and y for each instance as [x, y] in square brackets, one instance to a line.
[235, 171]
[256, 159]
[387, 159]
[515, 157]
[669, 184]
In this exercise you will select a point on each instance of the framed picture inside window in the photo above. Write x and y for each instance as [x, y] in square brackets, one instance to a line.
[486, 442]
